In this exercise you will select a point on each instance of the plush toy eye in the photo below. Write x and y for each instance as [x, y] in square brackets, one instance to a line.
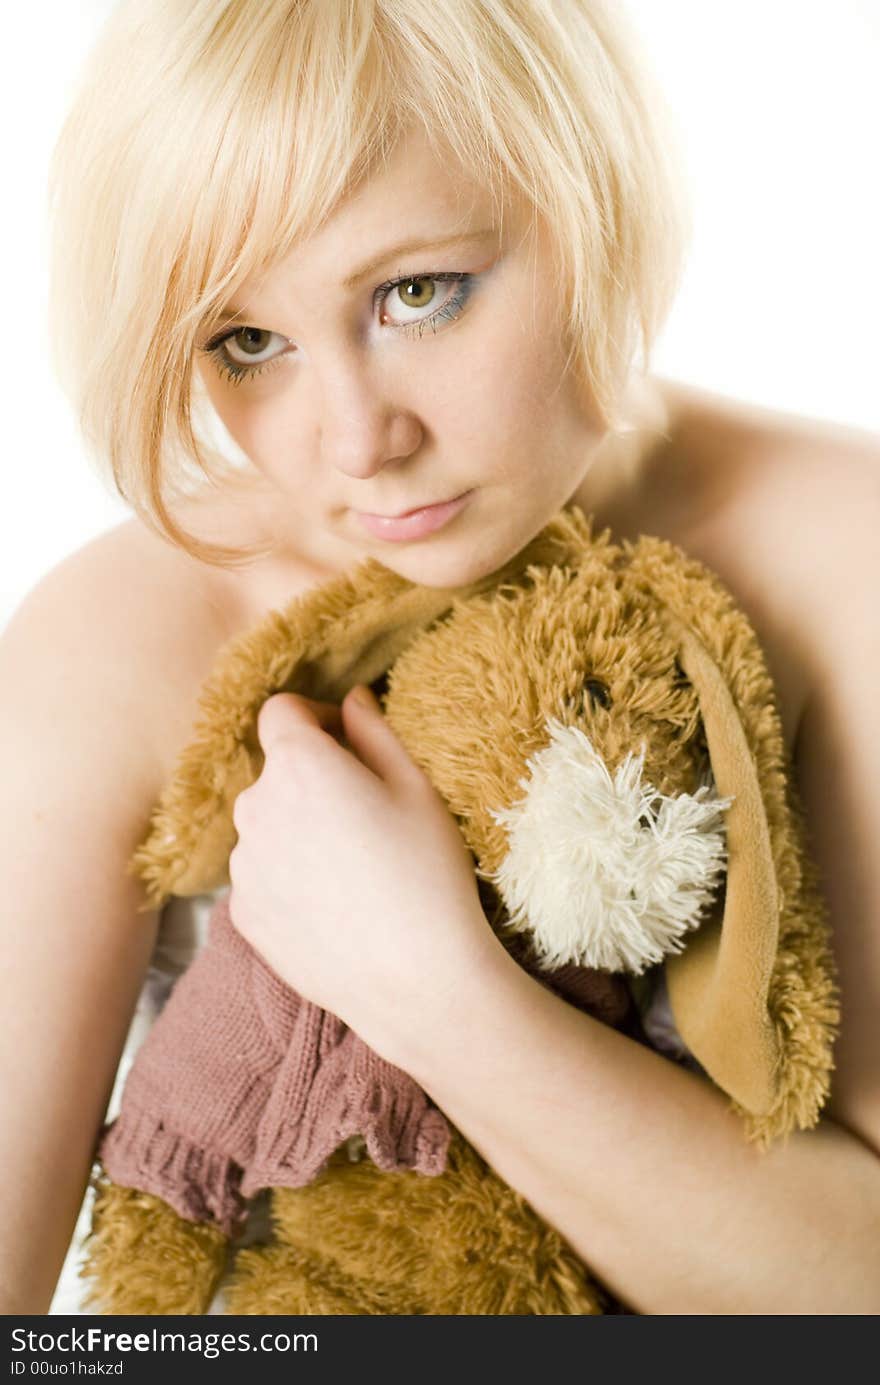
[597, 692]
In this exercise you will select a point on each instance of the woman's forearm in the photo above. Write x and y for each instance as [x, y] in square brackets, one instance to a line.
[644, 1168]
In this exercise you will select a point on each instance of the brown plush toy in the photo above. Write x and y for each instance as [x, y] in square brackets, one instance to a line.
[600, 720]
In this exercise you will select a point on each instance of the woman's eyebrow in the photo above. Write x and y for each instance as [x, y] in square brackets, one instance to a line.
[412, 247]
[231, 311]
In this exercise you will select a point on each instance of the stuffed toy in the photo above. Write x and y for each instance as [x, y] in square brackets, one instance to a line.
[600, 720]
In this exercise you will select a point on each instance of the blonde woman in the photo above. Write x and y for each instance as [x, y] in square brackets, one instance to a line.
[413, 255]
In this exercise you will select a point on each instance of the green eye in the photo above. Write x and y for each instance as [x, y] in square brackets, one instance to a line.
[416, 293]
[252, 340]
[416, 303]
[242, 353]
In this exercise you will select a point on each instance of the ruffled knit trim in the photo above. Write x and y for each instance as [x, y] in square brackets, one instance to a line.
[397, 1134]
[140, 1151]
[333, 1089]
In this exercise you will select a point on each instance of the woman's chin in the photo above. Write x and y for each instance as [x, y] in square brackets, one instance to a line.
[451, 564]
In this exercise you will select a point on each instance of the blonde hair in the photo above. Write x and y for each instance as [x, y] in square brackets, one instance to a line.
[208, 136]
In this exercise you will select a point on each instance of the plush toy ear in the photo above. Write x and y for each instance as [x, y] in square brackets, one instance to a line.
[348, 631]
[719, 987]
[752, 994]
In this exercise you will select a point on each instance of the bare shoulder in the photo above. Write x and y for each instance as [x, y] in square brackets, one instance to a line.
[799, 500]
[143, 622]
[776, 471]
[781, 507]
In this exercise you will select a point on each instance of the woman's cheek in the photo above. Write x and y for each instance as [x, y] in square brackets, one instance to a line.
[270, 431]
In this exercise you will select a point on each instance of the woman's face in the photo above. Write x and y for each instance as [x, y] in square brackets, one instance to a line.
[407, 354]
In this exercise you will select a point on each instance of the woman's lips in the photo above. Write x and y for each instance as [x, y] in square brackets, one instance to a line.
[414, 525]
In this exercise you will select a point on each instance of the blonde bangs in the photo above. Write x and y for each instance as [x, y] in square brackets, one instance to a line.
[207, 138]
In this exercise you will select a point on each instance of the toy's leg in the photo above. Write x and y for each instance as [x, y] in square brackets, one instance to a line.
[141, 1257]
[276, 1279]
[360, 1240]
[461, 1243]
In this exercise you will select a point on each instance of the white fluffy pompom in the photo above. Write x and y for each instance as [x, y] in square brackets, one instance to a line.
[606, 872]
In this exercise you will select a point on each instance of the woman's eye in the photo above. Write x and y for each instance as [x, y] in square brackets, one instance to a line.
[417, 293]
[243, 353]
[409, 304]
[423, 300]
[249, 345]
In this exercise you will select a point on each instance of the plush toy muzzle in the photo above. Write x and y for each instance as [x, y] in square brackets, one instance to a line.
[605, 870]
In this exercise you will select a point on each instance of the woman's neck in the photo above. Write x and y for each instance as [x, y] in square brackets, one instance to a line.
[615, 486]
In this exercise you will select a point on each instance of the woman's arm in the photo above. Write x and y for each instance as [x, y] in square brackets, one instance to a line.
[352, 886]
[638, 1162]
[643, 1168]
[76, 792]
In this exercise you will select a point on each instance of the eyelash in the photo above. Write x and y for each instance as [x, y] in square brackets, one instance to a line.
[449, 311]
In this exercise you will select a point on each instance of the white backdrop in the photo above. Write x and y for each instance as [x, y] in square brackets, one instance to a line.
[779, 112]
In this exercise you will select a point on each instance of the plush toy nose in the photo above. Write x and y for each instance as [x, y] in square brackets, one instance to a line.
[606, 871]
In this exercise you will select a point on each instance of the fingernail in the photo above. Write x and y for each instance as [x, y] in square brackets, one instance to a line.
[364, 695]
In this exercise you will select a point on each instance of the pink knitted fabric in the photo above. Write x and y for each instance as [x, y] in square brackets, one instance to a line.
[242, 1084]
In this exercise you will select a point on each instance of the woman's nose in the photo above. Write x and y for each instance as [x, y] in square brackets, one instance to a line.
[361, 426]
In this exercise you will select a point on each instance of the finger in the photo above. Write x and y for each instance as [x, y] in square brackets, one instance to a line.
[374, 741]
[284, 714]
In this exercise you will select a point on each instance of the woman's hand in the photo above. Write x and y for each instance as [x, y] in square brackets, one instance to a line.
[350, 876]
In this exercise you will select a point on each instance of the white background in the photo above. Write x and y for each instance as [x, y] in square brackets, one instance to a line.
[778, 106]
